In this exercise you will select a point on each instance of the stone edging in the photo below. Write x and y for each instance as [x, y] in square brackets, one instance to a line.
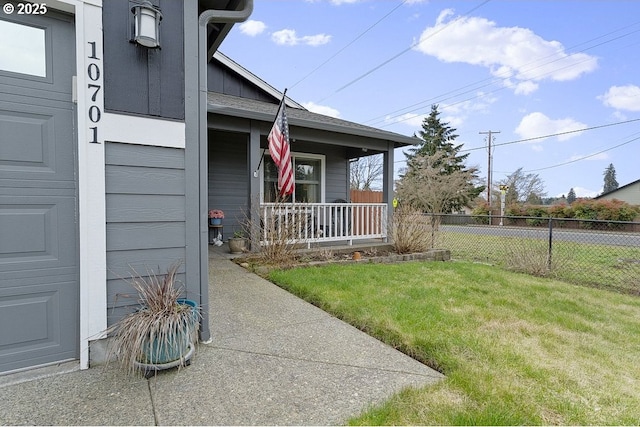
[432, 255]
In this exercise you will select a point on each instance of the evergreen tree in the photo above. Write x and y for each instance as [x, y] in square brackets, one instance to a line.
[610, 182]
[571, 197]
[437, 142]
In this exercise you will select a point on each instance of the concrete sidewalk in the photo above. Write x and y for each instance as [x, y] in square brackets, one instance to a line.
[274, 359]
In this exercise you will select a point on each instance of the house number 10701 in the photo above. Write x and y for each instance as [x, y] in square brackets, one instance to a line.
[94, 113]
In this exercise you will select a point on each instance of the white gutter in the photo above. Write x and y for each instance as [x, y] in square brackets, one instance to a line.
[207, 17]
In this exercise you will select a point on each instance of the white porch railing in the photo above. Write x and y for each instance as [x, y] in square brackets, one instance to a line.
[322, 222]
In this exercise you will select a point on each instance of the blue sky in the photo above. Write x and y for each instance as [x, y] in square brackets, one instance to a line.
[524, 68]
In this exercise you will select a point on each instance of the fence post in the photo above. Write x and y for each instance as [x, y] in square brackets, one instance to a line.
[550, 244]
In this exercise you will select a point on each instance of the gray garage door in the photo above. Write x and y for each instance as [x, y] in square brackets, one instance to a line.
[39, 291]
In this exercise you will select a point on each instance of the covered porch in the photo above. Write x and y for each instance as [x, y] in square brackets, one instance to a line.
[242, 176]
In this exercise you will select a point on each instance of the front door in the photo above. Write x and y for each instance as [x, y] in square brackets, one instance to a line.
[39, 285]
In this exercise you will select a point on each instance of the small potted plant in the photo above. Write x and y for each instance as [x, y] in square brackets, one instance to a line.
[215, 216]
[162, 332]
[238, 243]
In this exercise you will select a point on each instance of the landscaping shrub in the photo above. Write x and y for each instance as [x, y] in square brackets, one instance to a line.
[481, 213]
[529, 256]
[560, 211]
[538, 212]
[587, 209]
[412, 231]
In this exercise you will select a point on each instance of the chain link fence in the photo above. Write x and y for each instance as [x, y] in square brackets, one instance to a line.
[603, 254]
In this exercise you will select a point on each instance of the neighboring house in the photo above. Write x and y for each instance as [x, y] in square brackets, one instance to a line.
[111, 155]
[629, 193]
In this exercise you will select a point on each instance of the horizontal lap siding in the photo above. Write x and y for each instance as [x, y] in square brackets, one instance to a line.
[228, 186]
[145, 210]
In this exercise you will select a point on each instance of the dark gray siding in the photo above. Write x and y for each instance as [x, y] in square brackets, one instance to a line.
[228, 175]
[145, 203]
[222, 80]
[139, 80]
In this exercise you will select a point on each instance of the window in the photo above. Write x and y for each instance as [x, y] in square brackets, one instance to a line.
[22, 49]
[309, 178]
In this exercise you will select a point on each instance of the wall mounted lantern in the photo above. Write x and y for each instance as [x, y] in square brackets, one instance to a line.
[146, 27]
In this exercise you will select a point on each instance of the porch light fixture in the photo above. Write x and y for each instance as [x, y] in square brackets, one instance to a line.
[146, 27]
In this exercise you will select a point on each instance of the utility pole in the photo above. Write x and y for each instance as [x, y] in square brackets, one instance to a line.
[489, 161]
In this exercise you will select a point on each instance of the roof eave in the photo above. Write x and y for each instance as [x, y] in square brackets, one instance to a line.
[397, 139]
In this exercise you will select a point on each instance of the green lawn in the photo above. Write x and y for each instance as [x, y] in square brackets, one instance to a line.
[515, 349]
[603, 266]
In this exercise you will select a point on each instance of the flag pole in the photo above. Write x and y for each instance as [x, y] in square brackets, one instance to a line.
[264, 150]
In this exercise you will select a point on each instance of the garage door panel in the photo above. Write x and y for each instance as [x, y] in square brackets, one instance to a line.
[34, 324]
[35, 232]
[34, 136]
[20, 95]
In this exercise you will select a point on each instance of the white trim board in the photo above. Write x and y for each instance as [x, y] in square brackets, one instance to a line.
[143, 131]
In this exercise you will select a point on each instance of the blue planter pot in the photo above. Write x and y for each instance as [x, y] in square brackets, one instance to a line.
[215, 221]
[159, 353]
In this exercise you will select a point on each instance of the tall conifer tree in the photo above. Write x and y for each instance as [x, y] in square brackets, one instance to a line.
[438, 138]
[610, 182]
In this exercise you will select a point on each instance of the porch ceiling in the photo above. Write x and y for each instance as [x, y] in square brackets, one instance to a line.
[245, 108]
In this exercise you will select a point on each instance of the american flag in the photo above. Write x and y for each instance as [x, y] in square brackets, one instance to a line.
[280, 152]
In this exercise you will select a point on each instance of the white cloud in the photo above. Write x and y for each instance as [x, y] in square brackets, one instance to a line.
[622, 98]
[321, 109]
[454, 121]
[316, 40]
[537, 124]
[514, 54]
[290, 38]
[410, 119]
[252, 28]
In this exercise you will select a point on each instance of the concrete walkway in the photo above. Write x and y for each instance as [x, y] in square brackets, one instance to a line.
[273, 360]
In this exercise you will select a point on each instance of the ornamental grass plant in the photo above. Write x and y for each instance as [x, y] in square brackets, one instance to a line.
[162, 327]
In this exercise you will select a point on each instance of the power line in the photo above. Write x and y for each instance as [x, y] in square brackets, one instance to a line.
[554, 134]
[582, 158]
[413, 45]
[496, 79]
[348, 44]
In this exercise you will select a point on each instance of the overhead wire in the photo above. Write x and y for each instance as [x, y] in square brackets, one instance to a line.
[359, 36]
[580, 158]
[553, 134]
[494, 80]
[394, 57]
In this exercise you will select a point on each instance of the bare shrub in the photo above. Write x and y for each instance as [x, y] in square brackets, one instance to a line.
[325, 254]
[528, 256]
[275, 228]
[410, 230]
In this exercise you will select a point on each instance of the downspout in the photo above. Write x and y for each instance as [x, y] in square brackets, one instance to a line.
[205, 18]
